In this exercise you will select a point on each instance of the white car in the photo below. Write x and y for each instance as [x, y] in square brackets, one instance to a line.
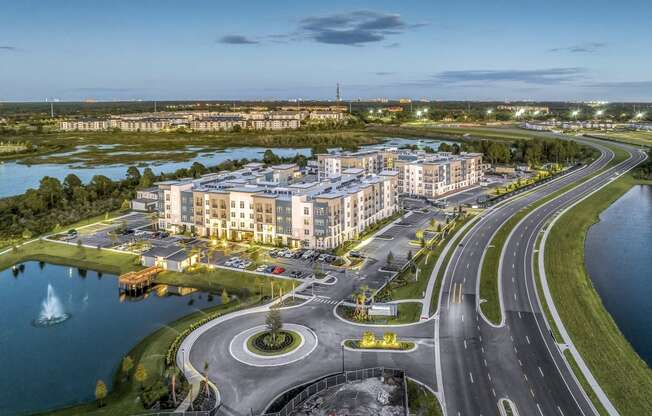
[261, 268]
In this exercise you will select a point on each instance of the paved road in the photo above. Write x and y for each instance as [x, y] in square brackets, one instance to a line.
[482, 363]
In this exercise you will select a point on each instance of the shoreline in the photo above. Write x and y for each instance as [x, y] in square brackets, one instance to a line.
[620, 371]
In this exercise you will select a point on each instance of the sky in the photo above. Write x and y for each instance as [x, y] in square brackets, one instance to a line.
[262, 49]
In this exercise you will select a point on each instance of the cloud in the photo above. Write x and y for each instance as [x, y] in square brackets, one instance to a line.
[8, 48]
[383, 73]
[355, 28]
[527, 76]
[393, 45]
[637, 85]
[237, 40]
[587, 47]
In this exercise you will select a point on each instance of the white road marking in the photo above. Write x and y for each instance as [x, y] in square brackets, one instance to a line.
[520, 363]
[513, 281]
[532, 393]
[519, 315]
[480, 338]
[512, 338]
[482, 348]
[493, 392]
[515, 350]
[464, 344]
[471, 377]
[514, 296]
[512, 265]
[485, 362]
[527, 339]
[560, 412]
[467, 265]
[539, 407]
[541, 371]
[525, 375]
[489, 375]
[514, 254]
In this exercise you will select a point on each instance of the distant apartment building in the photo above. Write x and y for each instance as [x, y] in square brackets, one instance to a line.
[271, 206]
[523, 108]
[419, 173]
[85, 124]
[218, 123]
[327, 116]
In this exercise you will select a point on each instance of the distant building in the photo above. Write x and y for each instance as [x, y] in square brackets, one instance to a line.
[85, 124]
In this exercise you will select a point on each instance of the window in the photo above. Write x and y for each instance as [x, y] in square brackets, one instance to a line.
[233, 224]
[306, 211]
[241, 204]
[242, 215]
[232, 204]
[242, 225]
[233, 215]
[306, 232]
[306, 221]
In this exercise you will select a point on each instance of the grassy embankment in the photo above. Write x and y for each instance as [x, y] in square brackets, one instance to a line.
[492, 133]
[638, 138]
[421, 401]
[135, 147]
[124, 397]
[489, 272]
[624, 377]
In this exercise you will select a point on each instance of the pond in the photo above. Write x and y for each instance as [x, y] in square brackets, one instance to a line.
[619, 263]
[16, 178]
[57, 365]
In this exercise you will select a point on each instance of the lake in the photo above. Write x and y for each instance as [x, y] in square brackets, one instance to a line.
[16, 178]
[619, 263]
[46, 367]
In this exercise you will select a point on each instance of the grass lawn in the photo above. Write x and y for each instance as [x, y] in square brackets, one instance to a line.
[235, 282]
[70, 255]
[151, 351]
[622, 374]
[421, 401]
[637, 138]
[493, 133]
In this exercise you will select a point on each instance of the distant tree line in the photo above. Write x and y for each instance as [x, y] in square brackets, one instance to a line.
[55, 204]
[533, 152]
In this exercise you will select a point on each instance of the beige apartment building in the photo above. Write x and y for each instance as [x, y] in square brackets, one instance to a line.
[87, 124]
[269, 206]
[419, 173]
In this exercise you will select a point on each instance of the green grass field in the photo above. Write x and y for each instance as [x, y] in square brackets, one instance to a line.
[421, 401]
[71, 255]
[637, 138]
[622, 374]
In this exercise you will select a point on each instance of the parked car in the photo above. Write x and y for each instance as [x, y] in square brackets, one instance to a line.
[270, 269]
[354, 254]
[278, 270]
[261, 268]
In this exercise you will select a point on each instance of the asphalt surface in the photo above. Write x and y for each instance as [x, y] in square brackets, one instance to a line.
[519, 360]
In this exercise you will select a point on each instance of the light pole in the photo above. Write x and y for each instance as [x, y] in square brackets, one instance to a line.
[183, 359]
[342, 347]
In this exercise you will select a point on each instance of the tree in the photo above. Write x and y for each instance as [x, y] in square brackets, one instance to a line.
[225, 297]
[147, 178]
[390, 258]
[141, 375]
[70, 182]
[206, 389]
[197, 169]
[125, 205]
[133, 175]
[172, 375]
[274, 324]
[27, 234]
[100, 392]
[270, 158]
[51, 190]
[127, 365]
[419, 234]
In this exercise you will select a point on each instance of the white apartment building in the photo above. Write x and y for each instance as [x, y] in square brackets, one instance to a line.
[86, 124]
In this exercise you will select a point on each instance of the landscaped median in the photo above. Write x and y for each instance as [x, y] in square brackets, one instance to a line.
[489, 294]
[624, 377]
[389, 342]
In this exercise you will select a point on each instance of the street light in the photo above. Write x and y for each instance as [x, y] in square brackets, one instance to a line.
[640, 115]
[419, 113]
[599, 113]
[575, 113]
[489, 111]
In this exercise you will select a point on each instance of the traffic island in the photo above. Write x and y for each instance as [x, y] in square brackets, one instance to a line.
[255, 348]
[267, 344]
[389, 343]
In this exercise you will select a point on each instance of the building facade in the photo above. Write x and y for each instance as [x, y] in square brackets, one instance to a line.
[247, 205]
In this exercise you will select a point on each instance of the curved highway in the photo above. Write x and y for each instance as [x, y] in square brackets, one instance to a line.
[481, 362]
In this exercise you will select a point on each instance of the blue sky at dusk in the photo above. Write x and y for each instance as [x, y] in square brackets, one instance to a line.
[482, 50]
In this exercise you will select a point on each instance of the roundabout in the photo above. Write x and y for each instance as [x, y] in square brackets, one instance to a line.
[251, 346]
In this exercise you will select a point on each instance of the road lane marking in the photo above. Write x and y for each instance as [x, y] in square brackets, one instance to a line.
[462, 317]
[560, 412]
[541, 371]
[520, 363]
[489, 376]
[527, 339]
[464, 344]
[467, 265]
[532, 393]
[471, 377]
[515, 350]
[512, 265]
[539, 407]
[519, 315]
[493, 392]
[514, 296]
[485, 362]
[525, 376]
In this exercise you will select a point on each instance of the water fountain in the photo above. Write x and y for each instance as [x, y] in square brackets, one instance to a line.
[51, 310]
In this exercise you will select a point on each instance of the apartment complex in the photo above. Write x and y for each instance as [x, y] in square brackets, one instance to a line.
[418, 173]
[276, 206]
[203, 121]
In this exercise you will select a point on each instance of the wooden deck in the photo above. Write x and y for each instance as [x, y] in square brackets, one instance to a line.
[133, 282]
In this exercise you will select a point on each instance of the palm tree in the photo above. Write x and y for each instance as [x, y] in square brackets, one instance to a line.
[172, 375]
[207, 390]
[141, 375]
[127, 365]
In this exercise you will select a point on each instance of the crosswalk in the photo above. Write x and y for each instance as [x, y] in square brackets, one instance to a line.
[325, 300]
